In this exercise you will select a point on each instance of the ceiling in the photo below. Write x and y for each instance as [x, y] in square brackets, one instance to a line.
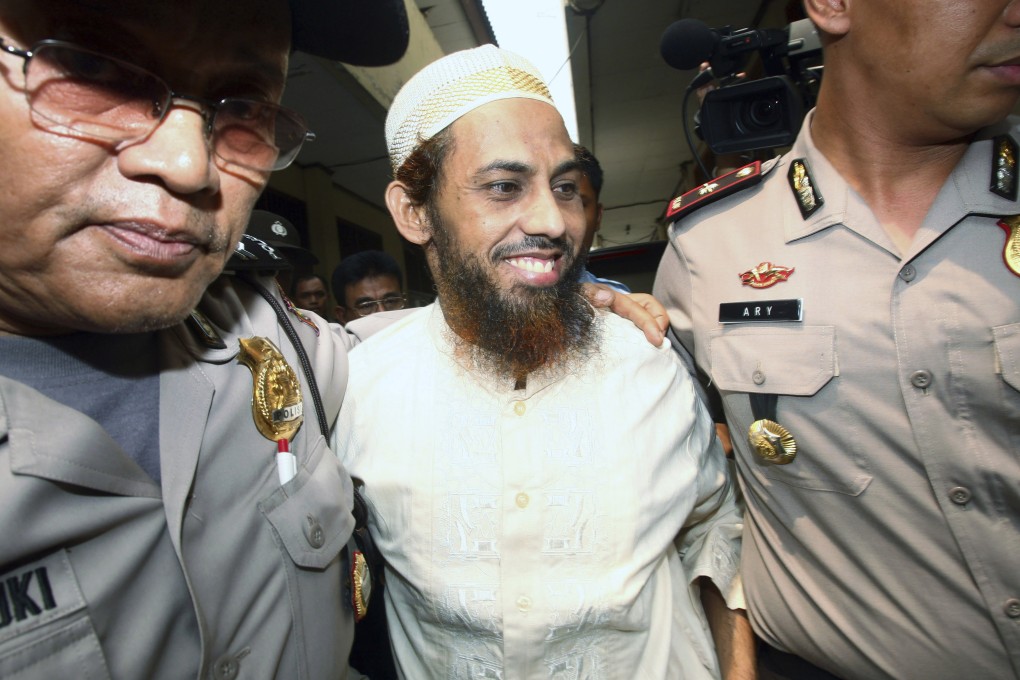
[628, 100]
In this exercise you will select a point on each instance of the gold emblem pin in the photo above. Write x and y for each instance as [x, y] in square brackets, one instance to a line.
[1011, 251]
[1004, 167]
[276, 402]
[361, 585]
[808, 198]
[765, 275]
[772, 443]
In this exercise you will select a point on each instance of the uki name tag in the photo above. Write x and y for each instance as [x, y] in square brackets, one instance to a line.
[761, 311]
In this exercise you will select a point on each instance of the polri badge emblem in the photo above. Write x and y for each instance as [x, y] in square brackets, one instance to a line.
[804, 190]
[360, 580]
[771, 442]
[1011, 251]
[276, 404]
[765, 275]
[1004, 167]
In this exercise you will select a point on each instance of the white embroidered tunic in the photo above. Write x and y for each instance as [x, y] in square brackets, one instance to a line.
[534, 533]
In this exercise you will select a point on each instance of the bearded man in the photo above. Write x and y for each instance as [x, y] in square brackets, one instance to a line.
[550, 499]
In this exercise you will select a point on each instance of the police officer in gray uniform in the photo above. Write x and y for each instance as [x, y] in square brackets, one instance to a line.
[856, 303]
[165, 512]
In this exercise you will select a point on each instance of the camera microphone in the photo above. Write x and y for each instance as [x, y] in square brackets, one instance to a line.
[687, 43]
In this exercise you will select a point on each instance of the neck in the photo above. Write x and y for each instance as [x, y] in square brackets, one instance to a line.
[896, 172]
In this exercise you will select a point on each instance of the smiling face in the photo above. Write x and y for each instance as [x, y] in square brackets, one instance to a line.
[508, 195]
[935, 69]
[125, 237]
[503, 234]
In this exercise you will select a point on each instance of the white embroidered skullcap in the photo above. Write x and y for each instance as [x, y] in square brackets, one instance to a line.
[452, 86]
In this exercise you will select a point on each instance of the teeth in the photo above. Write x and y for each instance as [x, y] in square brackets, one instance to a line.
[530, 264]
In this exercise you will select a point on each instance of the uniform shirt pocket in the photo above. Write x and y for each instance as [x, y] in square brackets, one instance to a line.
[309, 513]
[798, 364]
[45, 629]
[1007, 353]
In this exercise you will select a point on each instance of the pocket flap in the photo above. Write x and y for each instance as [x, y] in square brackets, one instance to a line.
[311, 513]
[790, 360]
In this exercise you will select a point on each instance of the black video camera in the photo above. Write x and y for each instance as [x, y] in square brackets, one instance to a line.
[760, 114]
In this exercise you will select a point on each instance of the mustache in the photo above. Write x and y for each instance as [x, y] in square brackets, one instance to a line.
[999, 53]
[528, 244]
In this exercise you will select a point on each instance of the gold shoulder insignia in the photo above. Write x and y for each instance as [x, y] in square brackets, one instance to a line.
[808, 198]
[1004, 174]
[204, 331]
[720, 187]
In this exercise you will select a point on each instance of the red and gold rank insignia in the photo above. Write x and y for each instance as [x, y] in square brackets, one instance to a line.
[1011, 251]
[720, 187]
[765, 275]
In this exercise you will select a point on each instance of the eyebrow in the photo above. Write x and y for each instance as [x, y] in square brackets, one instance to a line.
[518, 167]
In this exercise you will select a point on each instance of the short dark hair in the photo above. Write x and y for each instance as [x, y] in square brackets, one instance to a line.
[361, 265]
[590, 166]
[301, 279]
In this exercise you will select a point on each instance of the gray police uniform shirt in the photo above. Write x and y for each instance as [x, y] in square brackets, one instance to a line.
[890, 547]
[221, 572]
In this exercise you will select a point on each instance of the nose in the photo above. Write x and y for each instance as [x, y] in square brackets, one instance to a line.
[177, 152]
[547, 214]
[1011, 15]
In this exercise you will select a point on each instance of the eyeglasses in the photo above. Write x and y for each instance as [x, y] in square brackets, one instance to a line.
[390, 303]
[100, 97]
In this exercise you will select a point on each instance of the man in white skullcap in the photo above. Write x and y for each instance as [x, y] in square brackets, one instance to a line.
[553, 502]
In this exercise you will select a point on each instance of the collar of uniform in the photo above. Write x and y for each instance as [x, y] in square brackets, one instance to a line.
[972, 175]
[232, 312]
[78, 452]
[966, 192]
[841, 204]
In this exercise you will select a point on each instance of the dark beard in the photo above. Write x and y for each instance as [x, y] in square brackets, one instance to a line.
[509, 334]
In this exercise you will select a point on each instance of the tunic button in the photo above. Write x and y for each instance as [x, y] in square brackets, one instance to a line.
[226, 668]
[908, 273]
[1012, 608]
[524, 603]
[758, 377]
[519, 408]
[314, 534]
[921, 379]
[522, 500]
[959, 495]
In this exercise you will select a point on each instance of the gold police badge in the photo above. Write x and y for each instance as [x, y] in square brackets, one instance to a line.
[772, 443]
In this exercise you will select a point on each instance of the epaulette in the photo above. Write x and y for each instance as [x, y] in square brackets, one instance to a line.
[720, 187]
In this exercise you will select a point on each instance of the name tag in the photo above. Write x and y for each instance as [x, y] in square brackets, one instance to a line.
[761, 311]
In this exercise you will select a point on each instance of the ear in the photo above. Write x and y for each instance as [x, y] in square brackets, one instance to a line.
[598, 217]
[409, 218]
[830, 16]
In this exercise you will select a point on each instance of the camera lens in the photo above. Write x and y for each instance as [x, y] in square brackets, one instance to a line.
[761, 114]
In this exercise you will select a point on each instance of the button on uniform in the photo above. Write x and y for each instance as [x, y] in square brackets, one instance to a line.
[226, 667]
[921, 379]
[520, 408]
[959, 495]
[314, 534]
[522, 500]
[1012, 608]
[758, 377]
[524, 603]
[908, 273]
